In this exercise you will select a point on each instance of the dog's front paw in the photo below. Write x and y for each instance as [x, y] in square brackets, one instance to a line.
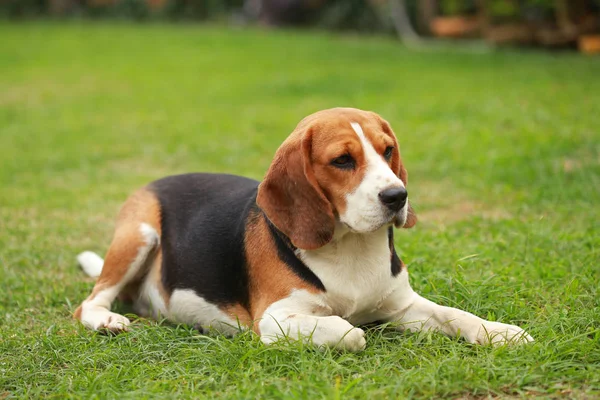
[499, 334]
[105, 321]
[323, 332]
[354, 340]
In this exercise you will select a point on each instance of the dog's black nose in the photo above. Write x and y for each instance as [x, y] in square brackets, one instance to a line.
[393, 198]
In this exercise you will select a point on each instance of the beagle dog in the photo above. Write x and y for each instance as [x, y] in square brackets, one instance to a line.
[306, 254]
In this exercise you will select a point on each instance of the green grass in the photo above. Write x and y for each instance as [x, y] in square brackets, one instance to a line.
[503, 151]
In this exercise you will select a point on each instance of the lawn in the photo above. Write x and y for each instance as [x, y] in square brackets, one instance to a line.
[503, 152]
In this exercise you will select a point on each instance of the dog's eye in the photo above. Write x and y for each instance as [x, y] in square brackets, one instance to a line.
[343, 162]
[387, 154]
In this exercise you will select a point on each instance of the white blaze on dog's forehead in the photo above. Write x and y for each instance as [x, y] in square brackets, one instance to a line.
[358, 129]
[378, 168]
[370, 153]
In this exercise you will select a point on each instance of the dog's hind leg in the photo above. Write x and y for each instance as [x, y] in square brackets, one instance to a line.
[135, 244]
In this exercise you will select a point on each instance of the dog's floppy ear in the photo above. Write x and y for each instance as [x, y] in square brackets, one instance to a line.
[291, 197]
[399, 170]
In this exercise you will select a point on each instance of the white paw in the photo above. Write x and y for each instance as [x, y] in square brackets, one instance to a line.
[322, 332]
[104, 320]
[498, 334]
[338, 333]
[353, 340]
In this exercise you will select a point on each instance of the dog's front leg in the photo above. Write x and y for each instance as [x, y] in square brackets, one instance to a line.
[416, 313]
[296, 319]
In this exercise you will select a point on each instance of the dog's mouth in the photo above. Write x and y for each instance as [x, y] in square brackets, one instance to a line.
[397, 219]
[400, 218]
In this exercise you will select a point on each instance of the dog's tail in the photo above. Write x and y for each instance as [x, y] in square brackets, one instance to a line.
[91, 263]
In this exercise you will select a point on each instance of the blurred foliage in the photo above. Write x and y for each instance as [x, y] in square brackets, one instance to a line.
[23, 8]
[496, 8]
[126, 9]
[357, 15]
[507, 9]
[456, 7]
[360, 15]
[199, 10]
[133, 9]
[510, 9]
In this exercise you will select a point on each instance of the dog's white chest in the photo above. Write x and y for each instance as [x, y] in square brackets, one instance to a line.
[356, 273]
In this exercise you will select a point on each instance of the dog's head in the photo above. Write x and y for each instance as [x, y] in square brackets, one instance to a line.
[340, 164]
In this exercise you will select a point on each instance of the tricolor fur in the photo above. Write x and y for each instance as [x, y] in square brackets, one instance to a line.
[308, 253]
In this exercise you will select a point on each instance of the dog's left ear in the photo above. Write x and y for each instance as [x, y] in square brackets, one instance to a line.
[399, 170]
[291, 197]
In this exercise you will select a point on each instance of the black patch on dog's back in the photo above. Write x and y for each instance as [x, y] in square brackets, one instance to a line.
[203, 220]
